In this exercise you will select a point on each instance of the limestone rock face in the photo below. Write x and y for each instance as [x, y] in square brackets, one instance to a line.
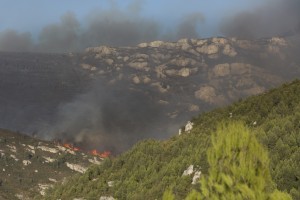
[194, 108]
[196, 177]
[136, 80]
[156, 44]
[188, 171]
[184, 72]
[220, 41]
[106, 198]
[240, 68]
[189, 126]
[139, 65]
[278, 41]
[229, 51]
[206, 93]
[101, 50]
[76, 167]
[221, 70]
[208, 49]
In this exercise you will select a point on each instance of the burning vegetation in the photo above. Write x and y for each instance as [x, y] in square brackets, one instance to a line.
[93, 152]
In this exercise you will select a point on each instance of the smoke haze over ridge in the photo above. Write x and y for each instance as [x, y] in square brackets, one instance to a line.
[115, 120]
[118, 26]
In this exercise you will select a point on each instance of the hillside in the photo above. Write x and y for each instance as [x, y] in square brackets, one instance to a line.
[151, 167]
[111, 97]
[28, 166]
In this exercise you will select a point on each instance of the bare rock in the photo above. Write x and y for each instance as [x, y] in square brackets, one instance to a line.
[229, 51]
[139, 65]
[208, 49]
[136, 80]
[109, 61]
[188, 171]
[254, 90]
[101, 51]
[106, 198]
[248, 45]
[146, 80]
[206, 93]
[196, 177]
[76, 167]
[221, 70]
[156, 44]
[183, 62]
[140, 56]
[126, 58]
[160, 71]
[278, 41]
[160, 56]
[26, 162]
[160, 87]
[240, 68]
[220, 41]
[171, 72]
[189, 126]
[193, 108]
[184, 72]
[142, 45]
[201, 42]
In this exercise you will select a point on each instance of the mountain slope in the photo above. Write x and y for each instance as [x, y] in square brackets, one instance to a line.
[150, 167]
[111, 97]
[29, 166]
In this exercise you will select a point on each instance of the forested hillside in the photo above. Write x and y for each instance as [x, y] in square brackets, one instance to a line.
[152, 167]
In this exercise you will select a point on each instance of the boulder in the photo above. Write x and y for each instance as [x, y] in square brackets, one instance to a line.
[206, 93]
[221, 70]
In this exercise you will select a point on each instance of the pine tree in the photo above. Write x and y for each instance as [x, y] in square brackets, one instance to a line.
[239, 168]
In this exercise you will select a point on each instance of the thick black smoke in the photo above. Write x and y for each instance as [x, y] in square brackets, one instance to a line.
[274, 18]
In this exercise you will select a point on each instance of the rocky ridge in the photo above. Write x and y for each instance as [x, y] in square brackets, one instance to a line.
[30, 166]
[178, 79]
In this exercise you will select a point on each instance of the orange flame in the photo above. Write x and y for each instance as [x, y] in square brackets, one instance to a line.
[71, 147]
[101, 155]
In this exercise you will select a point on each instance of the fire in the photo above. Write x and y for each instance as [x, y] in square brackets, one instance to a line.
[101, 155]
[94, 152]
[71, 147]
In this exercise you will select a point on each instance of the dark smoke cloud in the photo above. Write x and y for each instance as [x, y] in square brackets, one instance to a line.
[11, 40]
[117, 28]
[188, 27]
[108, 118]
[63, 36]
[114, 27]
[275, 18]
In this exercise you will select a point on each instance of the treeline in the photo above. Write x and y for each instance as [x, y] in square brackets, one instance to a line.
[151, 167]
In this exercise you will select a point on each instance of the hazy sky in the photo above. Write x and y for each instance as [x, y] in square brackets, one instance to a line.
[72, 25]
[33, 15]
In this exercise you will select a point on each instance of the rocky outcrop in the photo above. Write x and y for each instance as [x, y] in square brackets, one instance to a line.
[206, 93]
[221, 70]
[196, 177]
[76, 167]
[107, 198]
[188, 171]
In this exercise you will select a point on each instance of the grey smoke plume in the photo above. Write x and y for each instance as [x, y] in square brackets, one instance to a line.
[11, 40]
[60, 37]
[108, 118]
[275, 18]
[114, 27]
[188, 27]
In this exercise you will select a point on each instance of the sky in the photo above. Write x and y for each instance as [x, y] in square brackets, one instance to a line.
[72, 25]
[33, 15]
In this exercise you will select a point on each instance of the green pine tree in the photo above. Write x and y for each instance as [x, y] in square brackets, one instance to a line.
[239, 168]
